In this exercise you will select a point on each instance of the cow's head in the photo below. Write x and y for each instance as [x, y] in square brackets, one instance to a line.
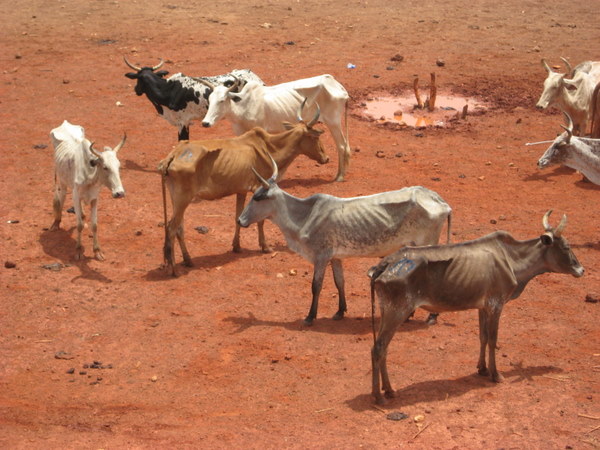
[146, 76]
[558, 255]
[108, 165]
[263, 203]
[220, 99]
[553, 85]
[559, 150]
[309, 142]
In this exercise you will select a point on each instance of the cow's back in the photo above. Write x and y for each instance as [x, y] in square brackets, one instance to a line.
[71, 154]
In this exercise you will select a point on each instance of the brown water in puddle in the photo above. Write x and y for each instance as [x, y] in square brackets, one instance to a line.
[403, 110]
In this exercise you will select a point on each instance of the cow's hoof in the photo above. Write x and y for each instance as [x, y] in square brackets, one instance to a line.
[308, 321]
[236, 249]
[188, 262]
[432, 319]
[497, 378]
[266, 249]
[484, 372]
[99, 256]
[390, 394]
[338, 315]
[379, 399]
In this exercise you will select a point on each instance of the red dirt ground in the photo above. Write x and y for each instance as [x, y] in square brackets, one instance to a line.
[219, 357]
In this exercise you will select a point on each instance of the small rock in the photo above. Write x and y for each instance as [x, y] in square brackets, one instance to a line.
[290, 43]
[397, 57]
[481, 178]
[390, 68]
[419, 418]
[493, 222]
[71, 370]
[201, 229]
[591, 299]
[63, 355]
[536, 49]
[55, 267]
[502, 217]
[462, 175]
[440, 62]
[266, 25]
[436, 179]
[154, 378]
[119, 104]
[40, 146]
[293, 272]
[82, 372]
[138, 233]
[375, 76]
[65, 81]
[279, 275]
[396, 415]
[18, 56]
[380, 154]
[10, 264]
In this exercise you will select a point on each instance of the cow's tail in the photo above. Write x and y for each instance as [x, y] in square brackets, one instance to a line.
[163, 169]
[449, 227]
[595, 127]
[374, 273]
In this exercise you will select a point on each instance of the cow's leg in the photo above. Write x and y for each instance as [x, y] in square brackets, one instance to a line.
[184, 133]
[338, 277]
[240, 200]
[94, 221]
[389, 323]
[343, 150]
[493, 322]
[483, 342]
[79, 214]
[317, 284]
[174, 228]
[60, 192]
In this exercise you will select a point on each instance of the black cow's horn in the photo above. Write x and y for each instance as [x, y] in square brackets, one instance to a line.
[136, 68]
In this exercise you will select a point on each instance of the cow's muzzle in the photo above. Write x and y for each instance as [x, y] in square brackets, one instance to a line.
[243, 223]
[206, 124]
[119, 194]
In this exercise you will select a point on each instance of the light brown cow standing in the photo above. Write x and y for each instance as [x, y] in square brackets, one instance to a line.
[213, 169]
[482, 274]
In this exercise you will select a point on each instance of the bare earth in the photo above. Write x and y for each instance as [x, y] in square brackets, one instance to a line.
[219, 357]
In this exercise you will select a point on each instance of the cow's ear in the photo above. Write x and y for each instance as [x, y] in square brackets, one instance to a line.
[131, 75]
[547, 238]
[162, 73]
[235, 98]
[94, 162]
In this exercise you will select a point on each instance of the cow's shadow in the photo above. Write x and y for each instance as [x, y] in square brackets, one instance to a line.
[207, 262]
[547, 175]
[60, 245]
[347, 326]
[132, 165]
[440, 390]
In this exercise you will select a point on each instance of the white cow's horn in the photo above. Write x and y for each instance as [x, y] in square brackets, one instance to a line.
[316, 118]
[299, 116]
[561, 226]
[94, 152]
[545, 222]
[120, 144]
[569, 68]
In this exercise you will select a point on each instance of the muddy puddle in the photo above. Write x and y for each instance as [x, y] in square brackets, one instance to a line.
[403, 110]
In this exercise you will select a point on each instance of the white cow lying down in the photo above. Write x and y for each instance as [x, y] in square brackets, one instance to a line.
[80, 167]
[268, 107]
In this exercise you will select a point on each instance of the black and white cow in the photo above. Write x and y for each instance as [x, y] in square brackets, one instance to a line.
[180, 99]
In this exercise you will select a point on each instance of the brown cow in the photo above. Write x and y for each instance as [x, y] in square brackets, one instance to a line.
[481, 274]
[216, 168]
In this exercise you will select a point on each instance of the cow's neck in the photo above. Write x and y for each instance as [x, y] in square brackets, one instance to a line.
[526, 259]
[283, 147]
[292, 213]
[586, 161]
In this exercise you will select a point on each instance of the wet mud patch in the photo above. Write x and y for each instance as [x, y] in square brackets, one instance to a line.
[404, 111]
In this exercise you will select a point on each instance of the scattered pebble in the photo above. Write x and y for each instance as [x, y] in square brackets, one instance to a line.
[154, 378]
[380, 154]
[397, 415]
[440, 62]
[201, 229]
[71, 370]
[390, 68]
[397, 57]
[419, 418]
[293, 272]
[55, 267]
[10, 264]
[591, 299]
[63, 355]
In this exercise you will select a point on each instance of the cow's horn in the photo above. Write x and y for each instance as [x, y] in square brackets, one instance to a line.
[314, 120]
[136, 68]
[546, 66]
[569, 127]
[120, 144]
[275, 170]
[94, 152]
[264, 182]
[545, 222]
[236, 83]
[569, 68]
[300, 110]
[205, 83]
[159, 65]
[561, 226]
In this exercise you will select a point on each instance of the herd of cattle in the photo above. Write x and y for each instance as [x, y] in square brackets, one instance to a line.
[403, 226]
